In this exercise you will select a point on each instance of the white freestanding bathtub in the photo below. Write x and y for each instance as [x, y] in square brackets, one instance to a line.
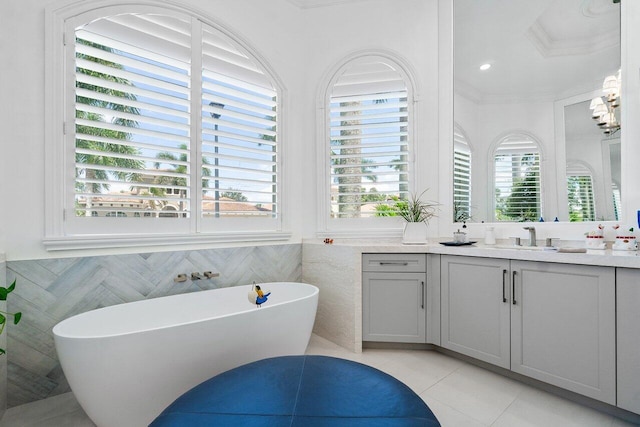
[126, 363]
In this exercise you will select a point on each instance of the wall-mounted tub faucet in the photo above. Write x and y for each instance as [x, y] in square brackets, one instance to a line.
[532, 235]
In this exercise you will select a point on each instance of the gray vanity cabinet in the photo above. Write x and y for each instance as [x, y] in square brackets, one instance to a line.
[563, 326]
[628, 351]
[552, 322]
[394, 297]
[475, 309]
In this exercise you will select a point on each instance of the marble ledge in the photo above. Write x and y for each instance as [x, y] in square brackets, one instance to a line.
[605, 258]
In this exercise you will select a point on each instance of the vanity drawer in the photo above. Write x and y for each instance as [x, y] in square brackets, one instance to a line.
[395, 263]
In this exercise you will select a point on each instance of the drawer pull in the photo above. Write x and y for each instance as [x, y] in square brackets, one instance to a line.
[393, 263]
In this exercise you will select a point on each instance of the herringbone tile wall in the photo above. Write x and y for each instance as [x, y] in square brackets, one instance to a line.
[51, 290]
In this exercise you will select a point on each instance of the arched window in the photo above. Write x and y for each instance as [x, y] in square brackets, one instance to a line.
[580, 192]
[461, 176]
[368, 140]
[166, 110]
[517, 188]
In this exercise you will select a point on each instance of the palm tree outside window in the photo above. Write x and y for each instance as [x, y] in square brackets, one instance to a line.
[368, 139]
[134, 126]
[517, 181]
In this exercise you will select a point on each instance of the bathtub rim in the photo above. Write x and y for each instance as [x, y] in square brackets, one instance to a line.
[56, 330]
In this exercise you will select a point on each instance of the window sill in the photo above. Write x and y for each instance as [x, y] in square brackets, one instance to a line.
[127, 241]
[361, 234]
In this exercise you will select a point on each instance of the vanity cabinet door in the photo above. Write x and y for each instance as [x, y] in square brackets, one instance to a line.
[393, 307]
[475, 295]
[563, 326]
[628, 350]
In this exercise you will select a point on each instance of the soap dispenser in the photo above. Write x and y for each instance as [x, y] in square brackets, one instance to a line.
[489, 236]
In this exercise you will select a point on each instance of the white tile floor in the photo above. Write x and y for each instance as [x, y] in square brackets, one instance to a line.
[458, 393]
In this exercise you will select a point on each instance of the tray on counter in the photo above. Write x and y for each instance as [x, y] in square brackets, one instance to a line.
[457, 243]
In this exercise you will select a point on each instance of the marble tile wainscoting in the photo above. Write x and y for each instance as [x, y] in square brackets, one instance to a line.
[50, 290]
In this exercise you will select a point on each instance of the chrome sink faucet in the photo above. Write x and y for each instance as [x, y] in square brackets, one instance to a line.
[532, 235]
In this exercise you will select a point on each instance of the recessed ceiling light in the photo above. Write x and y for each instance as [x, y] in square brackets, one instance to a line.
[485, 67]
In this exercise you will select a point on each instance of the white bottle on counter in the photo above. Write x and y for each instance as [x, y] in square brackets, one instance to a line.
[489, 236]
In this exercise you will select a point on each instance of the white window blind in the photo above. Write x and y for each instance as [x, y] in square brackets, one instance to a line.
[369, 140]
[616, 200]
[580, 193]
[239, 134]
[517, 193]
[137, 154]
[132, 117]
[461, 176]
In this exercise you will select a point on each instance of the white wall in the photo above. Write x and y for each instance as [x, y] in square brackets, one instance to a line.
[272, 28]
[485, 125]
[300, 45]
[630, 110]
[407, 29]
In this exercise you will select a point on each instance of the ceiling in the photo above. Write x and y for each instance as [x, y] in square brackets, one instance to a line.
[541, 50]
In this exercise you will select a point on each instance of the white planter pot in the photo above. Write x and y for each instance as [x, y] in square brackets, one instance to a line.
[415, 233]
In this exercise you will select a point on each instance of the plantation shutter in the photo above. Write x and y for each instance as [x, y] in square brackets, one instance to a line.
[239, 134]
[580, 193]
[135, 151]
[616, 200]
[461, 176]
[132, 117]
[517, 179]
[369, 139]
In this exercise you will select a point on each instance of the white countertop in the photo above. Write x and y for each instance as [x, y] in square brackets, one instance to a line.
[607, 257]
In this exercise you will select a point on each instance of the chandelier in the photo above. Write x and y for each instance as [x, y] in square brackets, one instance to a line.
[604, 110]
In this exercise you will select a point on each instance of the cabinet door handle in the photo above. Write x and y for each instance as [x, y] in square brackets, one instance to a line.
[422, 301]
[513, 288]
[504, 284]
[393, 263]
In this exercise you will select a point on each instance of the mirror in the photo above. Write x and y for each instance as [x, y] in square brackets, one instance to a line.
[512, 158]
[593, 166]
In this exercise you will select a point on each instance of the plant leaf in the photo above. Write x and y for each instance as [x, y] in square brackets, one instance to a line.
[16, 318]
[2, 319]
[2, 351]
[3, 293]
[12, 287]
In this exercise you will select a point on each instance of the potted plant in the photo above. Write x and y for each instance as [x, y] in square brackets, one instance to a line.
[4, 292]
[417, 213]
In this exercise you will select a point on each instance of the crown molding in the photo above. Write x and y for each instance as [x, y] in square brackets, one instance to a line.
[310, 4]
[548, 47]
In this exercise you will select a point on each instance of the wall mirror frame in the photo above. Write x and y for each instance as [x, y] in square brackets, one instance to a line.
[553, 162]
